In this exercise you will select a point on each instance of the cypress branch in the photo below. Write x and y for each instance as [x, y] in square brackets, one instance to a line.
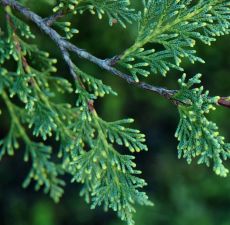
[87, 143]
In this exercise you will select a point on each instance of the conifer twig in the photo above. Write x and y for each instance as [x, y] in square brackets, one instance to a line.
[106, 64]
[224, 101]
[53, 18]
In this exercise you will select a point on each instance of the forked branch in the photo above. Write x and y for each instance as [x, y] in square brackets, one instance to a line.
[66, 47]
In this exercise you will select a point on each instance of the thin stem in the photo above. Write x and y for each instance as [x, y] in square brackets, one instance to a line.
[53, 18]
[224, 101]
[66, 47]
[58, 15]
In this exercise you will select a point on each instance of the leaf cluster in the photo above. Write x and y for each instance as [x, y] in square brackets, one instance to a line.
[87, 144]
[116, 11]
[199, 137]
[90, 149]
[172, 29]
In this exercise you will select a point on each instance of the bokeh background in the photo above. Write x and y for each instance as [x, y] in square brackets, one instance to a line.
[183, 194]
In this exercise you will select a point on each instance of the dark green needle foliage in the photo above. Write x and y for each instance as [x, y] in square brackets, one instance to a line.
[199, 137]
[116, 11]
[91, 149]
[176, 26]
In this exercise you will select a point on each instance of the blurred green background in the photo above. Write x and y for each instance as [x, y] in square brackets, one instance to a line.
[183, 194]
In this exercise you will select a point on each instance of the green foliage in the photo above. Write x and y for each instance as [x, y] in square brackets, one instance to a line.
[116, 11]
[109, 178]
[174, 27]
[90, 147]
[5, 49]
[65, 27]
[79, 131]
[131, 138]
[10, 142]
[44, 172]
[198, 136]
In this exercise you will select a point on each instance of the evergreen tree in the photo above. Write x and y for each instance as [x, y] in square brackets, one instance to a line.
[87, 143]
